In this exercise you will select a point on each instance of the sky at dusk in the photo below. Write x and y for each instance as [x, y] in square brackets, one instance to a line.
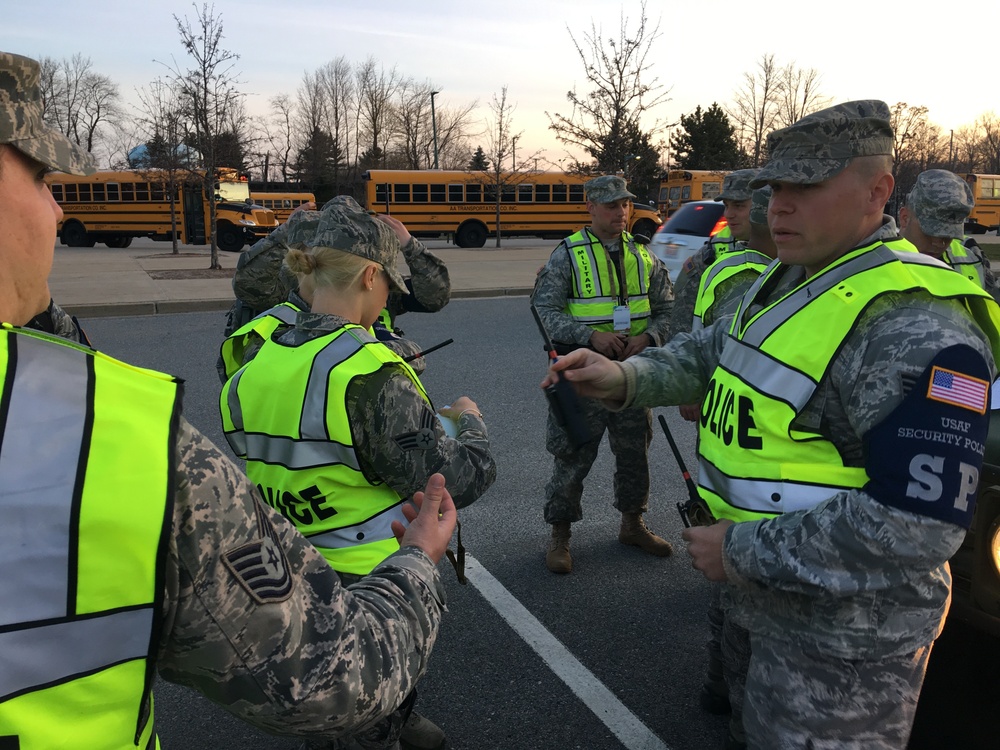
[469, 50]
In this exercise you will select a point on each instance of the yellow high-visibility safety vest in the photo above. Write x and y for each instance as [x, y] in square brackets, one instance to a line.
[724, 268]
[596, 292]
[723, 242]
[234, 347]
[963, 260]
[285, 412]
[753, 464]
[87, 462]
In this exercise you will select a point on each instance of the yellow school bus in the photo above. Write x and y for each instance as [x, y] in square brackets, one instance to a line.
[986, 212]
[282, 203]
[680, 186]
[462, 205]
[114, 206]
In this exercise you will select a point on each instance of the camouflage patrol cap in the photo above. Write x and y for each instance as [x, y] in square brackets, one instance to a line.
[344, 225]
[21, 123]
[941, 201]
[758, 206]
[736, 185]
[606, 189]
[822, 144]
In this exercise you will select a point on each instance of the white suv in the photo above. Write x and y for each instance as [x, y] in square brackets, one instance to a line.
[685, 232]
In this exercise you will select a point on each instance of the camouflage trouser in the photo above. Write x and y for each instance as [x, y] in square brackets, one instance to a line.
[799, 699]
[629, 433]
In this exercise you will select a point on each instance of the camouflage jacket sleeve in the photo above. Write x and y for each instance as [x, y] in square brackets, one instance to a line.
[852, 554]
[429, 282]
[258, 279]
[686, 293]
[675, 373]
[257, 621]
[661, 302]
[402, 443]
[552, 287]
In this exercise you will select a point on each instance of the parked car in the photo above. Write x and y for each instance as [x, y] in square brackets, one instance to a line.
[686, 231]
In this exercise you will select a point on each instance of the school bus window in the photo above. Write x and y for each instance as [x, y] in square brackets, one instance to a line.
[142, 191]
[541, 193]
[285, 203]
[558, 193]
[576, 193]
[380, 192]
[524, 193]
[474, 193]
[84, 193]
[490, 194]
[401, 193]
[112, 191]
[57, 192]
[507, 193]
[419, 193]
[675, 194]
[98, 191]
[157, 192]
[686, 193]
[456, 193]
[437, 193]
[128, 191]
[710, 190]
[71, 194]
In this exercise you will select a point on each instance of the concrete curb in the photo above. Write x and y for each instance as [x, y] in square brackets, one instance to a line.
[169, 307]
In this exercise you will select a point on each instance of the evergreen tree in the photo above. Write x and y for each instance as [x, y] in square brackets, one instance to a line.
[479, 162]
[706, 140]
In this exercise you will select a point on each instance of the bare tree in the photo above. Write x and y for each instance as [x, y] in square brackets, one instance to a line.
[279, 131]
[413, 124]
[756, 107]
[454, 126]
[800, 95]
[376, 88]
[168, 160]
[964, 153]
[500, 144]
[917, 146]
[606, 121]
[80, 102]
[338, 85]
[989, 142]
[209, 91]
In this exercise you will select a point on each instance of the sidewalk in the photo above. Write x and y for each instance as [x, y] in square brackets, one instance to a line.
[147, 279]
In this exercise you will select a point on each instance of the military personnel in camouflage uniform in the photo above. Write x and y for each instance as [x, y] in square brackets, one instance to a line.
[844, 594]
[261, 282]
[57, 321]
[395, 435]
[250, 614]
[629, 432]
[933, 219]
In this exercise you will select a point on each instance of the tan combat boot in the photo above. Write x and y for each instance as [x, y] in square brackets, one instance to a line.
[634, 532]
[557, 559]
[420, 733]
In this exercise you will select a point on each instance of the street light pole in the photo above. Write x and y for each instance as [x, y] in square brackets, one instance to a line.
[434, 128]
[513, 153]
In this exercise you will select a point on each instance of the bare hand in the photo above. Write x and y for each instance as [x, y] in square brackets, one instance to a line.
[634, 345]
[608, 343]
[690, 412]
[457, 406]
[592, 374]
[430, 529]
[704, 544]
[401, 232]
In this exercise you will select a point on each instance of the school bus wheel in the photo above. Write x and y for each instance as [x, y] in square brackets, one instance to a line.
[74, 235]
[471, 234]
[229, 238]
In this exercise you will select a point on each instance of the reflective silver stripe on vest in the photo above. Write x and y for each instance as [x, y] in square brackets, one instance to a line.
[734, 259]
[767, 375]
[42, 441]
[282, 312]
[237, 439]
[762, 495]
[46, 654]
[296, 454]
[768, 321]
[314, 405]
[377, 529]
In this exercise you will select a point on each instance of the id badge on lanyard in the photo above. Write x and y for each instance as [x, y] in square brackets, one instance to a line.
[622, 317]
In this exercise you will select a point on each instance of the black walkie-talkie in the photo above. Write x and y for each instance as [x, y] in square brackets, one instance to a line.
[562, 398]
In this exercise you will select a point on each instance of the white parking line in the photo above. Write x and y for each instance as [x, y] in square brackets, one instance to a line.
[624, 724]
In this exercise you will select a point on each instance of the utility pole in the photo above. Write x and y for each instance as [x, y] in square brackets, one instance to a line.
[434, 128]
[513, 153]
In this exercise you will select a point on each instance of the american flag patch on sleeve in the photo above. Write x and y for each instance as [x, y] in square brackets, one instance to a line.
[957, 389]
